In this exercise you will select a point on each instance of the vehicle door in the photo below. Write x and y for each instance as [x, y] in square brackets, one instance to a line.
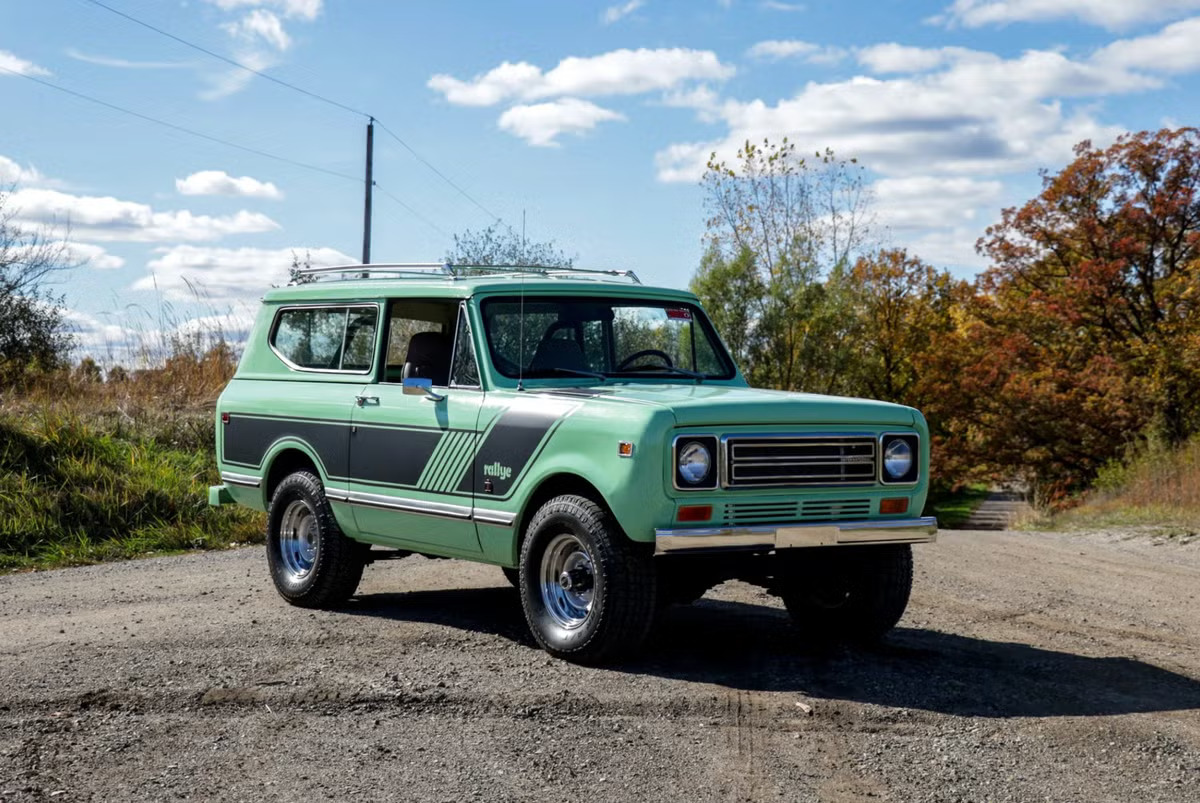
[411, 449]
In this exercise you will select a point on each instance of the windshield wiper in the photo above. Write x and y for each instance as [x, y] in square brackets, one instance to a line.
[699, 377]
[558, 369]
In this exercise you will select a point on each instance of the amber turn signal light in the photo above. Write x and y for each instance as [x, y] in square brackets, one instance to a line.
[893, 506]
[694, 513]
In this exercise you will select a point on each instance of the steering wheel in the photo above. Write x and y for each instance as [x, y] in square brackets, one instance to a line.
[632, 358]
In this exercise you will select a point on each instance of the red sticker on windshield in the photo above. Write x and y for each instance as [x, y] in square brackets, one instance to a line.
[679, 314]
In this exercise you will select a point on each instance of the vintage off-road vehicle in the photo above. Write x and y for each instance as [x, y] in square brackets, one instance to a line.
[589, 435]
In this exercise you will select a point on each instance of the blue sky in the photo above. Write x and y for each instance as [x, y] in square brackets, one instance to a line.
[593, 119]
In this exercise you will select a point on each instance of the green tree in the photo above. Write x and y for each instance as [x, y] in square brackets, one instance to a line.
[33, 336]
[500, 245]
[781, 231]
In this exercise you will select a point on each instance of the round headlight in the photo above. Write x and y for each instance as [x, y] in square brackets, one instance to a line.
[694, 463]
[897, 459]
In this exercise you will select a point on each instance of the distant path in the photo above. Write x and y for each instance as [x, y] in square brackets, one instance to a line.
[998, 511]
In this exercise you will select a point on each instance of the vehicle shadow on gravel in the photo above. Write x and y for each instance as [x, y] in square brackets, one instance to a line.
[752, 648]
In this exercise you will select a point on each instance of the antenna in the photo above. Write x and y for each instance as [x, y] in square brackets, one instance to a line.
[521, 338]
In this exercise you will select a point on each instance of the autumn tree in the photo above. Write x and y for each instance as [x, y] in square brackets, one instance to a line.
[1088, 319]
[903, 309]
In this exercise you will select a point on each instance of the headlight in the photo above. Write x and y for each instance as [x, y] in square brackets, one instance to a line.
[695, 463]
[897, 459]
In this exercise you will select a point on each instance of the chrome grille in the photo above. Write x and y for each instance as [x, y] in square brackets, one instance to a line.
[794, 461]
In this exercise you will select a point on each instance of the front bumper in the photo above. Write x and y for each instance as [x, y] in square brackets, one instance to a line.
[793, 536]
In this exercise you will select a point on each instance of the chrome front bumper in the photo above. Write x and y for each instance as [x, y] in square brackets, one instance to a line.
[792, 536]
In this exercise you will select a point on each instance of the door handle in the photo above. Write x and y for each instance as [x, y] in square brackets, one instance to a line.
[363, 401]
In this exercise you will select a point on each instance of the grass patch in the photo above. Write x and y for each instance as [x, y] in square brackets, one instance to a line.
[76, 490]
[954, 507]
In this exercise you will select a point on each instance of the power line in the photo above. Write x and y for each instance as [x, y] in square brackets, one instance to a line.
[413, 212]
[439, 173]
[183, 129]
[228, 60]
[306, 92]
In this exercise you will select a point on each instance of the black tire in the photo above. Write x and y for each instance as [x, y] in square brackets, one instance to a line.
[611, 608]
[847, 594]
[312, 563]
[513, 576]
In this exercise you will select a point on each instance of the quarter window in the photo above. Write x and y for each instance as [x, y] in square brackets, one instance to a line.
[327, 338]
[464, 371]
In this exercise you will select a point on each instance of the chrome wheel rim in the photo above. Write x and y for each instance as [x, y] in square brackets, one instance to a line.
[299, 539]
[567, 581]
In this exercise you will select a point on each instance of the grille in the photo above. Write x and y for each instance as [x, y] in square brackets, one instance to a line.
[747, 513]
[783, 462]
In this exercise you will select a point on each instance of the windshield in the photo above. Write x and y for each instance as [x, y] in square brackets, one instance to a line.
[602, 337]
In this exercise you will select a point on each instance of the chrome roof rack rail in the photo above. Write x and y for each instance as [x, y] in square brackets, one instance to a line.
[449, 272]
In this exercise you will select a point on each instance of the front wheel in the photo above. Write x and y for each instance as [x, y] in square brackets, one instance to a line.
[588, 592]
[312, 563]
[847, 594]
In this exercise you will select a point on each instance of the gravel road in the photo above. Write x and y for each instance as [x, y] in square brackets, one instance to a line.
[1029, 667]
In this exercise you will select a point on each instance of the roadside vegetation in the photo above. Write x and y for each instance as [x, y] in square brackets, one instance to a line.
[1157, 489]
[95, 469]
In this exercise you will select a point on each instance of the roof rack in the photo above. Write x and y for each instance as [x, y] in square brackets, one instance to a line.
[449, 272]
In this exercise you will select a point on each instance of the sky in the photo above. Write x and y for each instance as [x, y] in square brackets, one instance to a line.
[589, 123]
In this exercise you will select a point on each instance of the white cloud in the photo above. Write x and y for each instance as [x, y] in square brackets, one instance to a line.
[126, 64]
[779, 49]
[1111, 14]
[12, 173]
[618, 72]
[218, 182]
[895, 58]
[259, 37]
[109, 219]
[540, 123]
[259, 24]
[225, 274]
[14, 63]
[776, 5]
[1174, 49]
[984, 115]
[920, 202]
[614, 13]
[293, 9]
[92, 256]
[229, 82]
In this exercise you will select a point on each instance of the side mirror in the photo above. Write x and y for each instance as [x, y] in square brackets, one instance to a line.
[420, 386]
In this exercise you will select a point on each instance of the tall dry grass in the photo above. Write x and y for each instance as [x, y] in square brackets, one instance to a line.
[112, 457]
[1157, 487]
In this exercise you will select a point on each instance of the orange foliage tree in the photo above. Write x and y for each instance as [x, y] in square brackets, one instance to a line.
[1084, 330]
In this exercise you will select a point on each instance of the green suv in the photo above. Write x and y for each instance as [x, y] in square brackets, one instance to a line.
[589, 435]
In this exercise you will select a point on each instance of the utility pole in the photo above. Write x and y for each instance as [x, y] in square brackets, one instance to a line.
[370, 182]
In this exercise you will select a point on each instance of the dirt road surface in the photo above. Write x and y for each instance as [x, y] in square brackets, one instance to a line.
[1029, 667]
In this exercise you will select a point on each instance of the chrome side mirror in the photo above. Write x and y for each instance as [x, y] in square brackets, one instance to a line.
[420, 386]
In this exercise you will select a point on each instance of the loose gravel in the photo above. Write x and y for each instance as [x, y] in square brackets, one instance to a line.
[1029, 666]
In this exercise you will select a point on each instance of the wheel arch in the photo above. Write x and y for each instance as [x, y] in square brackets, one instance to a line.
[557, 484]
[284, 458]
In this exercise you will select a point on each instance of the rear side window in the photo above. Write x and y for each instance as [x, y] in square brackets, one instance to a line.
[326, 338]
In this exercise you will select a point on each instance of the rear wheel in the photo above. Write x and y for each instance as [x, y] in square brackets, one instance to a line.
[847, 594]
[312, 563]
[588, 592]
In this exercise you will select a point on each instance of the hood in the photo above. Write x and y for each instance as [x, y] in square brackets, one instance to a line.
[724, 405]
